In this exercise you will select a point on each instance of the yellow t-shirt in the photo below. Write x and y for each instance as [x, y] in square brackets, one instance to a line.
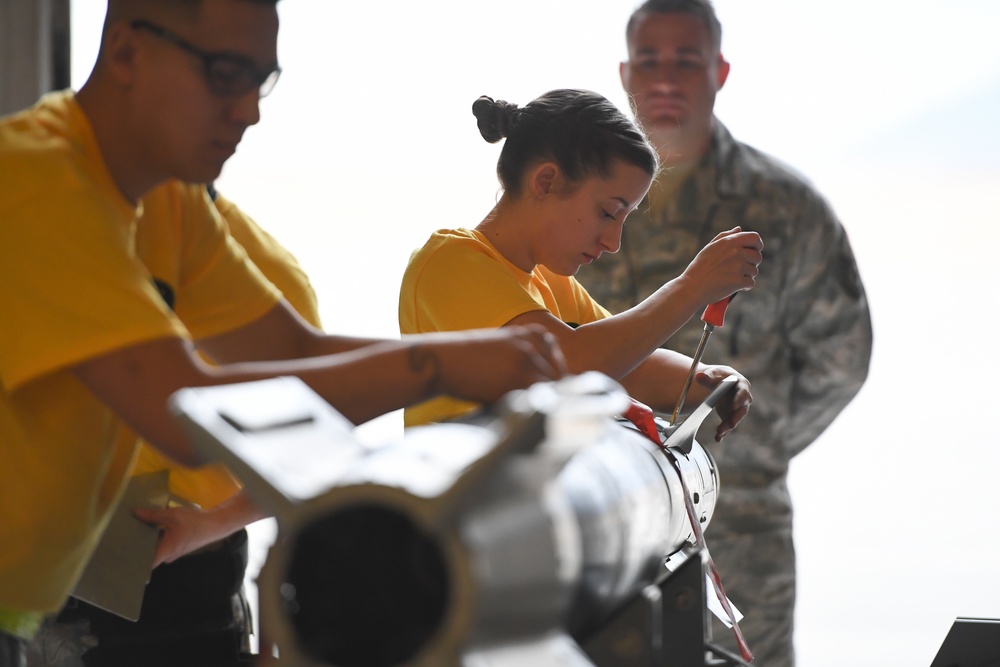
[210, 485]
[459, 281]
[78, 282]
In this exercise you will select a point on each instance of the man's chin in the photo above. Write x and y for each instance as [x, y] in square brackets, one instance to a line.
[202, 173]
[666, 138]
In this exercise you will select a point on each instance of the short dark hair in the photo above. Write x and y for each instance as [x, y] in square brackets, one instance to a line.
[131, 9]
[154, 10]
[579, 130]
[701, 9]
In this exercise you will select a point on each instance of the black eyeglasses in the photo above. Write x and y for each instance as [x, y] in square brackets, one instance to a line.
[227, 74]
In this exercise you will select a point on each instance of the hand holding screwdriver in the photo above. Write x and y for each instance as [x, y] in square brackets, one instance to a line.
[727, 264]
[730, 259]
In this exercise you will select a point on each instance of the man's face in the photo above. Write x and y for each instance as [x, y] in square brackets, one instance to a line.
[191, 130]
[672, 75]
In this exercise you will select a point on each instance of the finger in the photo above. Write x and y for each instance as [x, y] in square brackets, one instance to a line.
[707, 377]
[546, 345]
[542, 366]
[743, 396]
[722, 431]
[730, 422]
[752, 256]
[721, 235]
[157, 518]
[151, 515]
[556, 356]
[161, 552]
[751, 240]
[713, 375]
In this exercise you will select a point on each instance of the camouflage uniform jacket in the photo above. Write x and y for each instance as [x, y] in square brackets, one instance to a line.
[802, 336]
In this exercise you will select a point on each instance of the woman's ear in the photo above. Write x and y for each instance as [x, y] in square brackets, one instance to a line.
[542, 179]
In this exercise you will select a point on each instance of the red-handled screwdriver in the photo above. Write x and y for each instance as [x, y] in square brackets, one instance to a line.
[714, 316]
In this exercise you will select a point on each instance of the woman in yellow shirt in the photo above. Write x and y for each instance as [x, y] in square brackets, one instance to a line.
[572, 169]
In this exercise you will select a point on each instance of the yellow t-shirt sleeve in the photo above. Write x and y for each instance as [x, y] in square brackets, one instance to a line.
[454, 283]
[218, 289]
[275, 261]
[70, 285]
[571, 301]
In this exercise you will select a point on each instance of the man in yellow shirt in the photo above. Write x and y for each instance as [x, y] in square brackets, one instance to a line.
[90, 351]
[194, 611]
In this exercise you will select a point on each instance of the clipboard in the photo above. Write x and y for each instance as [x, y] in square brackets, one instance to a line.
[116, 576]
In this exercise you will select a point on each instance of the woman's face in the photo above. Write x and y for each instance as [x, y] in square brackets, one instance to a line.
[582, 224]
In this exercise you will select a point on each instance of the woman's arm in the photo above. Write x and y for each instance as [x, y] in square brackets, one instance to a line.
[658, 380]
[616, 345]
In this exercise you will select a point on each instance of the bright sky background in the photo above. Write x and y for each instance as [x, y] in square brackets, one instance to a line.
[890, 106]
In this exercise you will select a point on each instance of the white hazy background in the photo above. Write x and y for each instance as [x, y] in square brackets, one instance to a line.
[890, 106]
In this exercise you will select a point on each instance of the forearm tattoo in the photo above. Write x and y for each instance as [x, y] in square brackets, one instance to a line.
[425, 363]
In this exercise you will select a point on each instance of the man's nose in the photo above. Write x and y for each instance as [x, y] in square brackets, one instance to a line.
[666, 73]
[245, 109]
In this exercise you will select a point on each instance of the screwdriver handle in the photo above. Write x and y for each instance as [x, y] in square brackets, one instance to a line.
[714, 316]
[715, 313]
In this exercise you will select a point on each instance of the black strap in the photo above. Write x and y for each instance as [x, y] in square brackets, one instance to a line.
[187, 608]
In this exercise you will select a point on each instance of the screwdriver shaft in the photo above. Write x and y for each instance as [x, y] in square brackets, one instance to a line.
[694, 368]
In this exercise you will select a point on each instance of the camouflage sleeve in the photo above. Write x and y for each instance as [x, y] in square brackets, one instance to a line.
[827, 322]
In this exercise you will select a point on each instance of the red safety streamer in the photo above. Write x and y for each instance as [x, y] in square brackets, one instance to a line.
[699, 537]
[643, 418]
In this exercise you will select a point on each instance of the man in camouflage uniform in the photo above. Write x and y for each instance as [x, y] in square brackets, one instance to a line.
[802, 336]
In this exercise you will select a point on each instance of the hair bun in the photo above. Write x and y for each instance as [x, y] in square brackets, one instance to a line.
[494, 118]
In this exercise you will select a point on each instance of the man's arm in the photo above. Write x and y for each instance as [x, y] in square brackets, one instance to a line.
[280, 334]
[362, 384]
[828, 327]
